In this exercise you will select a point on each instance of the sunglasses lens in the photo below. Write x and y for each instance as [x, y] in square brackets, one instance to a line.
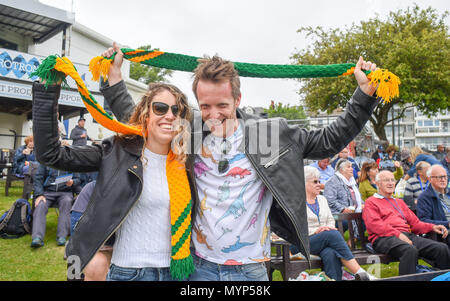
[175, 110]
[160, 108]
[223, 166]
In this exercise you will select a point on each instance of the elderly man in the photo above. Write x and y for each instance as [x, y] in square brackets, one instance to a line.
[433, 205]
[416, 185]
[393, 229]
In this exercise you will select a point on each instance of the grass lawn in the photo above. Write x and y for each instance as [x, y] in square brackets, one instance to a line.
[20, 262]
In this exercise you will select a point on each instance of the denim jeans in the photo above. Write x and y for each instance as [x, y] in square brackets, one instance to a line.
[117, 273]
[210, 271]
[74, 217]
[331, 247]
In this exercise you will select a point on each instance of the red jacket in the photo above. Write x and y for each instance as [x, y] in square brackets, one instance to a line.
[383, 219]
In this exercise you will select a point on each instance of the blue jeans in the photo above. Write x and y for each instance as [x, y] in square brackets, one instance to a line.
[74, 217]
[331, 247]
[117, 273]
[210, 271]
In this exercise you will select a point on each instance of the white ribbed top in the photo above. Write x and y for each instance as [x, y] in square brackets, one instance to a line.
[143, 239]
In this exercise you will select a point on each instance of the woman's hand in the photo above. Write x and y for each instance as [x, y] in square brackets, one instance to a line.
[324, 228]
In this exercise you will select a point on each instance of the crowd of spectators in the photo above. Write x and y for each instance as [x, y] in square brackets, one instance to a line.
[403, 196]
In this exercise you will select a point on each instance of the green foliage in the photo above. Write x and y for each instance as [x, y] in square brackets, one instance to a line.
[413, 44]
[285, 111]
[147, 74]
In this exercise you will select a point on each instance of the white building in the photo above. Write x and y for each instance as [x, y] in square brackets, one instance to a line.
[29, 32]
[418, 129]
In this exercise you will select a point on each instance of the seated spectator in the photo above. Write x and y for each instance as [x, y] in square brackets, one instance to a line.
[433, 205]
[343, 154]
[324, 239]
[379, 154]
[418, 155]
[405, 160]
[98, 267]
[367, 186]
[341, 190]
[393, 229]
[22, 158]
[416, 185]
[390, 161]
[50, 192]
[439, 154]
[446, 161]
[326, 171]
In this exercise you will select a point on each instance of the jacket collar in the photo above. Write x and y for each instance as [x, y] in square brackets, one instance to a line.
[132, 145]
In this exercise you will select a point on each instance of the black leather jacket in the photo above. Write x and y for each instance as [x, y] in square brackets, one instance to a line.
[119, 183]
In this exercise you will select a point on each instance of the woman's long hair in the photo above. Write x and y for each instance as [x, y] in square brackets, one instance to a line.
[180, 143]
[365, 168]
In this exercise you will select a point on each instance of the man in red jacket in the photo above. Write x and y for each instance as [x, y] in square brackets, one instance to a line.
[393, 229]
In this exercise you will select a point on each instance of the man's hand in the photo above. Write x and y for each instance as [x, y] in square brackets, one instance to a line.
[405, 238]
[440, 229]
[361, 78]
[115, 73]
[39, 199]
[348, 210]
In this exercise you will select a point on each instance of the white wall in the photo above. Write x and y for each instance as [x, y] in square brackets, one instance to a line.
[17, 123]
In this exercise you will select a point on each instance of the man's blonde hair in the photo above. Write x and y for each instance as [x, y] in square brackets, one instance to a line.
[217, 70]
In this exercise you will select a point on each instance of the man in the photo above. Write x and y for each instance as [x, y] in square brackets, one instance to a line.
[393, 229]
[416, 185]
[433, 205]
[52, 188]
[326, 171]
[446, 161]
[79, 134]
[344, 154]
[238, 185]
[440, 152]
[379, 154]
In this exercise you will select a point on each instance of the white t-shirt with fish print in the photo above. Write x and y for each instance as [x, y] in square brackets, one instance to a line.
[232, 222]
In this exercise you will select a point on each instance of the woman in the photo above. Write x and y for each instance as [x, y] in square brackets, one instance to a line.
[418, 155]
[369, 170]
[141, 182]
[23, 156]
[325, 241]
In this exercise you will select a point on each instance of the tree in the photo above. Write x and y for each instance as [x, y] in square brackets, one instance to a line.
[286, 111]
[147, 74]
[413, 44]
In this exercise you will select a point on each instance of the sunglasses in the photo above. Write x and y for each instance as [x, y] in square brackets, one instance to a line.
[161, 108]
[224, 164]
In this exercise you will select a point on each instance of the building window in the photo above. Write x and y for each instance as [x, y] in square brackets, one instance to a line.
[419, 123]
[428, 123]
[7, 45]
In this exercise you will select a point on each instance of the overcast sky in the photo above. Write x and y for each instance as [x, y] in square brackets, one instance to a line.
[252, 31]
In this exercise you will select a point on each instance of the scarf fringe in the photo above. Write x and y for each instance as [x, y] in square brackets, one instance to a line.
[48, 74]
[180, 269]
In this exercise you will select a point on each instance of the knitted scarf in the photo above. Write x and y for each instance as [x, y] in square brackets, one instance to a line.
[181, 264]
[54, 69]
